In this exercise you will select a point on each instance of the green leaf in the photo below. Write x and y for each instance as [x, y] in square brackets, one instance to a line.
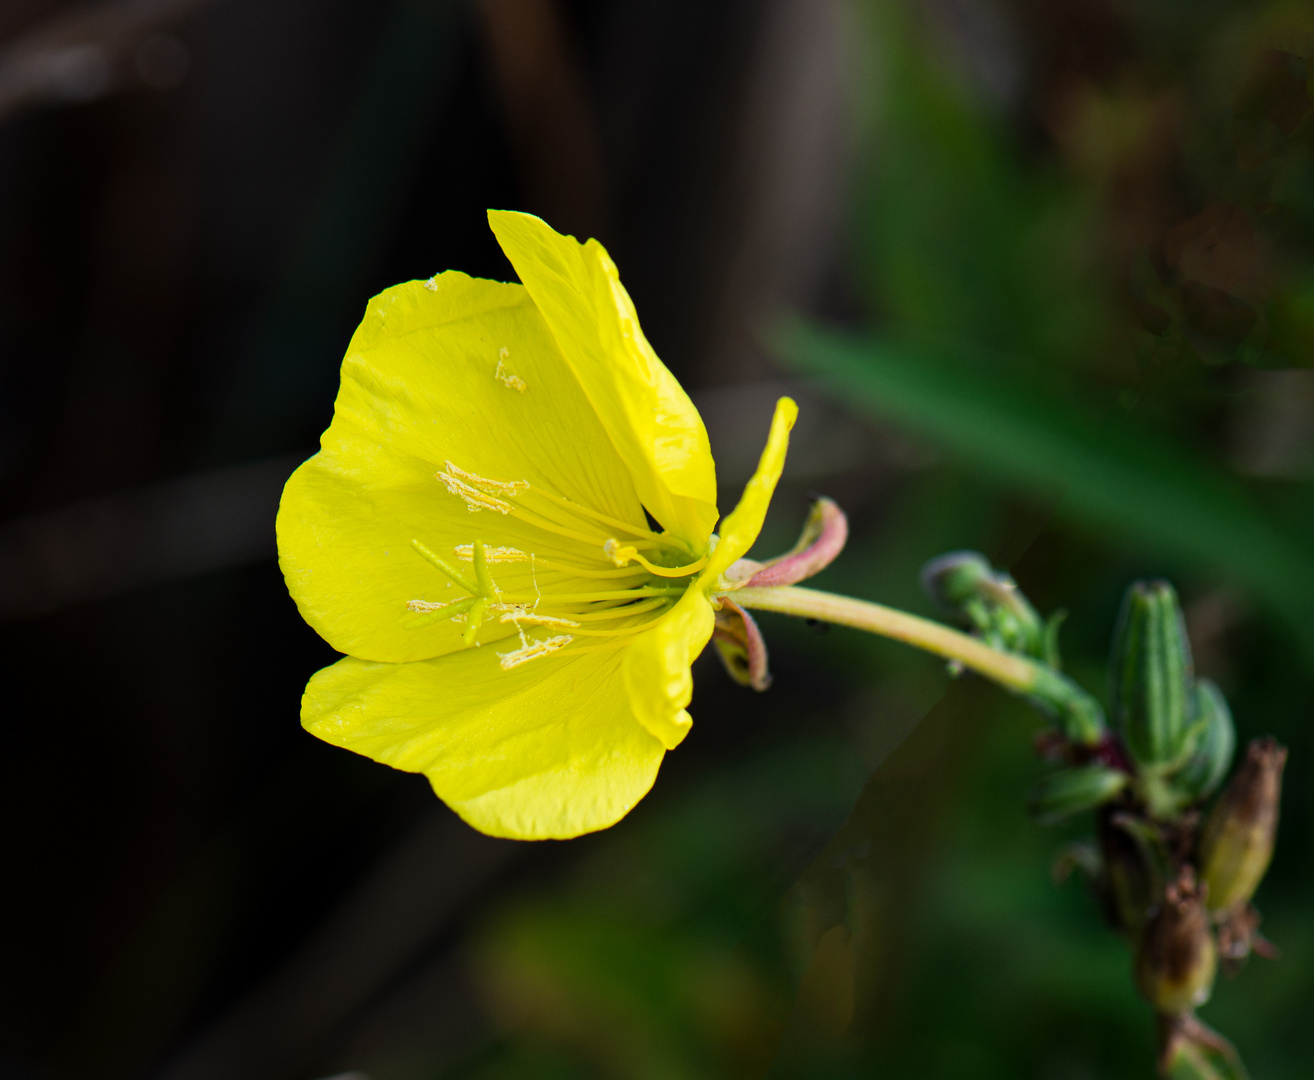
[1127, 481]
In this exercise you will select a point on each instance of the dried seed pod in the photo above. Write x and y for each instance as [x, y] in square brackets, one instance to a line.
[1152, 675]
[1177, 958]
[1236, 843]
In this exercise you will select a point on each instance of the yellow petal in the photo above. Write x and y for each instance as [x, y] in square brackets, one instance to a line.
[740, 528]
[657, 665]
[650, 419]
[456, 369]
[549, 749]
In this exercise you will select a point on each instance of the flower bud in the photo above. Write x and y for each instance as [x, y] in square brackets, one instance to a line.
[1177, 959]
[1070, 791]
[952, 579]
[965, 583]
[1152, 674]
[1236, 843]
[1215, 744]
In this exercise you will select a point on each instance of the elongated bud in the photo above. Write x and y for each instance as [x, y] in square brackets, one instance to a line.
[1236, 843]
[1215, 744]
[1177, 958]
[965, 583]
[1152, 674]
[1071, 791]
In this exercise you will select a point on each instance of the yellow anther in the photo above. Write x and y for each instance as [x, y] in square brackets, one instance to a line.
[533, 651]
[430, 613]
[475, 500]
[465, 552]
[482, 483]
[522, 614]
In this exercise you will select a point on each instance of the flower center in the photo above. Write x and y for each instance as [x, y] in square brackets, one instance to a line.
[573, 576]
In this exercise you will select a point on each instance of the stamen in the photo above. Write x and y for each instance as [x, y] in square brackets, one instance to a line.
[622, 556]
[605, 519]
[475, 500]
[434, 613]
[483, 484]
[533, 651]
[479, 493]
[522, 614]
[620, 611]
[589, 597]
[530, 518]
[624, 631]
[465, 552]
[580, 571]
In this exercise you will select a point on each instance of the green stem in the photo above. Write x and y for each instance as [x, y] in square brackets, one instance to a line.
[1013, 672]
[1077, 713]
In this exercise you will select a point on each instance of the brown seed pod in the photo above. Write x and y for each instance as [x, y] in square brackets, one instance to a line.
[1177, 958]
[1236, 844]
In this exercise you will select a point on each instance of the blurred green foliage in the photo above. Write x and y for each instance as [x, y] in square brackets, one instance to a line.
[1088, 286]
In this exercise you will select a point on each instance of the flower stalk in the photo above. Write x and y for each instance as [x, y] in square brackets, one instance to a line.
[1078, 713]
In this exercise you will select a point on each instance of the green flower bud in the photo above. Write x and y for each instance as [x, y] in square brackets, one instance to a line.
[1177, 959]
[1072, 790]
[1152, 675]
[1215, 744]
[1236, 843]
[953, 579]
[965, 583]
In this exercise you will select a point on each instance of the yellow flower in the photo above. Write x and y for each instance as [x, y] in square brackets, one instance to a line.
[472, 534]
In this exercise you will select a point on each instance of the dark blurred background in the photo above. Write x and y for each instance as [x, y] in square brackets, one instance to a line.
[1042, 279]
